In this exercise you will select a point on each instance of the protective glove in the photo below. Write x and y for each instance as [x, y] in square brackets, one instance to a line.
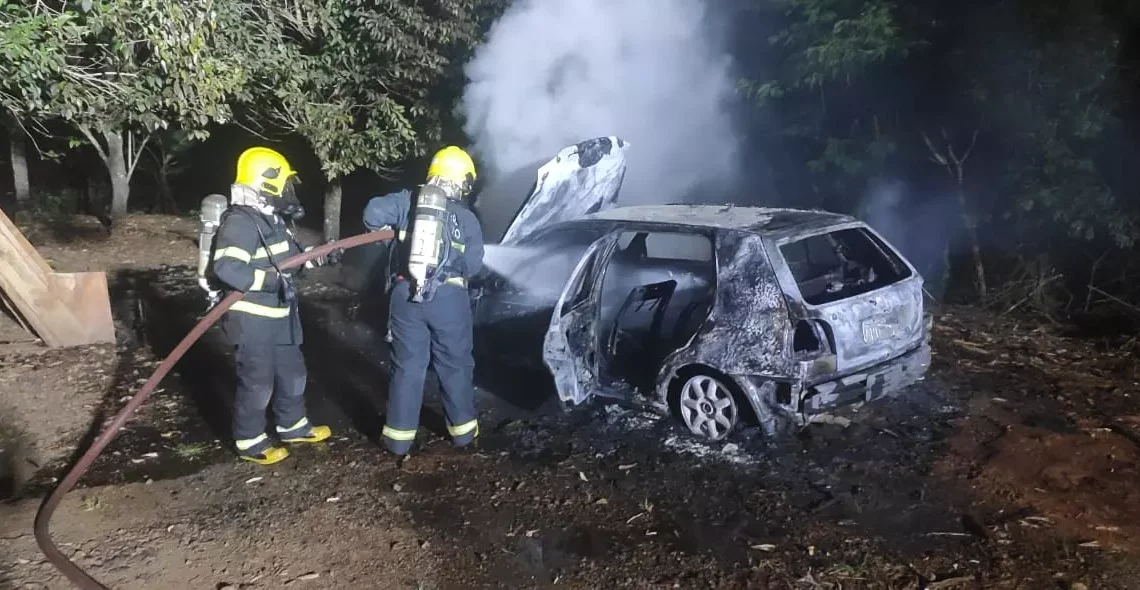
[333, 257]
[316, 262]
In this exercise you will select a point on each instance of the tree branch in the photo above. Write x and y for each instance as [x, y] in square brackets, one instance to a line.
[86, 131]
[935, 154]
[256, 132]
[134, 155]
[973, 142]
[27, 132]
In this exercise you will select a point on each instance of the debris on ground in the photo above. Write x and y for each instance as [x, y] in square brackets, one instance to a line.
[1011, 466]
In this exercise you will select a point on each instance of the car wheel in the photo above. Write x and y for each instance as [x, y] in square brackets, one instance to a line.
[708, 407]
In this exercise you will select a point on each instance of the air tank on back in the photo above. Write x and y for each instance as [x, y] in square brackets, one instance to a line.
[209, 218]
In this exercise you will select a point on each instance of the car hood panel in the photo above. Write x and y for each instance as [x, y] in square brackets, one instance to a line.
[582, 179]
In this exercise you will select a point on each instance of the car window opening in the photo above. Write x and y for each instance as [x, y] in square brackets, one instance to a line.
[514, 318]
[657, 290]
[842, 264]
[554, 256]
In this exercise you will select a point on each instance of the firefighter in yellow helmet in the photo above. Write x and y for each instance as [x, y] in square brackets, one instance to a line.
[264, 326]
[439, 247]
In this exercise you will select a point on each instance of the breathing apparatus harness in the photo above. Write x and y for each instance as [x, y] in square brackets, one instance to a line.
[429, 245]
[212, 215]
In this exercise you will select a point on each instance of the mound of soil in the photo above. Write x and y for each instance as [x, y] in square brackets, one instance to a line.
[1083, 482]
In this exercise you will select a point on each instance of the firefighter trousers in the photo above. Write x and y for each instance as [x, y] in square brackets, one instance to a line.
[436, 332]
[265, 369]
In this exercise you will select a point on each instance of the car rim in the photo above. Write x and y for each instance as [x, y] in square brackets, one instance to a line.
[707, 407]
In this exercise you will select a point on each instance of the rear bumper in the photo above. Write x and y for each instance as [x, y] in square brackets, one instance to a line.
[884, 380]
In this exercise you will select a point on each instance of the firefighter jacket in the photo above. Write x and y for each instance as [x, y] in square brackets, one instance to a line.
[466, 252]
[247, 251]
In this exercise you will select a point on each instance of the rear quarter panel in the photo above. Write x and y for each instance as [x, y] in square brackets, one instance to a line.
[745, 333]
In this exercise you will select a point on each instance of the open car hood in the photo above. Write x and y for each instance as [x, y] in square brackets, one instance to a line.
[582, 179]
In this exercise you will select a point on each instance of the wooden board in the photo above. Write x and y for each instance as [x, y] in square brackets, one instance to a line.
[62, 309]
[86, 295]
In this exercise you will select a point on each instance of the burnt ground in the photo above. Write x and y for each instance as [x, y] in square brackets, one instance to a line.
[1012, 466]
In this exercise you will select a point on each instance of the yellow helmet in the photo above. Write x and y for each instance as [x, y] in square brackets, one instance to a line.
[264, 170]
[453, 166]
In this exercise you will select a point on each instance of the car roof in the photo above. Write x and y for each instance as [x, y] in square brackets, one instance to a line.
[774, 222]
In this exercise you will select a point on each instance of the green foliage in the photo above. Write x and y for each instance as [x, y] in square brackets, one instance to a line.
[850, 161]
[1034, 78]
[835, 39]
[33, 57]
[116, 70]
[830, 41]
[1054, 104]
[827, 47]
[148, 64]
[360, 80]
[115, 64]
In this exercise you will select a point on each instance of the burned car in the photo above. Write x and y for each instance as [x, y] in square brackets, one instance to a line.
[711, 312]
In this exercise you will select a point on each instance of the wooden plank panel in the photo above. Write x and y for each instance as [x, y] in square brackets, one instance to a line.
[12, 238]
[85, 294]
[45, 300]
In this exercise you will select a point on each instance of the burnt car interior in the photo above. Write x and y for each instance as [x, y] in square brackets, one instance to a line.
[841, 264]
[656, 291]
[834, 266]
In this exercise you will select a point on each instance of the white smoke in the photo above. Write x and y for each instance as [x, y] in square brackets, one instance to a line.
[882, 209]
[556, 72]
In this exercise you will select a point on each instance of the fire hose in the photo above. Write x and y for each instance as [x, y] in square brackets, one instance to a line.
[43, 518]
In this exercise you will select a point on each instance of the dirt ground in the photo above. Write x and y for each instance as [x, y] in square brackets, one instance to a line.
[1013, 465]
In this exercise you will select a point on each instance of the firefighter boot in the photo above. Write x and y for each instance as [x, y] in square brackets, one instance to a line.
[261, 450]
[303, 432]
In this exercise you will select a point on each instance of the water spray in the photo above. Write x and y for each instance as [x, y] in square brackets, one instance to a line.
[506, 260]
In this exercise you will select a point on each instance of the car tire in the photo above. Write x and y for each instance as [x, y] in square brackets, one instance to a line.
[708, 406]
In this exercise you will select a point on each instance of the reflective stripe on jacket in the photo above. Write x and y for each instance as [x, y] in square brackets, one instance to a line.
[248, 246]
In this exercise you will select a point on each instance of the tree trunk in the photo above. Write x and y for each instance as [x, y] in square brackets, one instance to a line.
[166, 202]
[20, 169]
[93, 195]
[975, 247]
[332, 210]
[117, 169]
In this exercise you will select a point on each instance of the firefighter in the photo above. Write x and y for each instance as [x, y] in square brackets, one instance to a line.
[430, 314]
[265, 325]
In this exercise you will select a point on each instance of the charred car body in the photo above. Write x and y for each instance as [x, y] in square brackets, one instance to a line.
[709, 311]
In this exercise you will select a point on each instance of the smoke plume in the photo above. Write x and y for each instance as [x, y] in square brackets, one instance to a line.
[653, 72]
[922, 227]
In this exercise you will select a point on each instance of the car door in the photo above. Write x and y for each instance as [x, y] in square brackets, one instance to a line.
[570, 350]
[581, 179]
[515, 295]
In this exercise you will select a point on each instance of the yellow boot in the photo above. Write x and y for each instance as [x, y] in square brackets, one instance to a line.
[261, 450]
[303, 432]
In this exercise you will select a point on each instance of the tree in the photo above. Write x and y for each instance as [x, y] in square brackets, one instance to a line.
[817, 89]
[165, 152]
[32, 57]
[1032, 80]
[359, 80]
[150, 65]
[1051, 100]
[954, 161]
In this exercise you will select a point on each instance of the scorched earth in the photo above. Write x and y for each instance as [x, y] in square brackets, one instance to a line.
[1011, 466]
